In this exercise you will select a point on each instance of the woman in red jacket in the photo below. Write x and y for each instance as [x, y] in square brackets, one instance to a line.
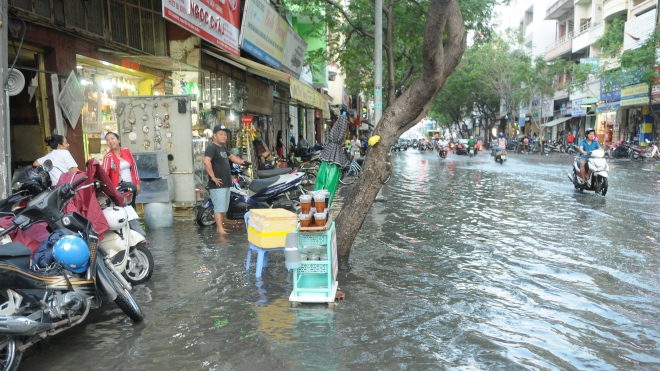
[120, 166]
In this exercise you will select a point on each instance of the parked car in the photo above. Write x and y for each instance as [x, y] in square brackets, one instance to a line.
[461, 147]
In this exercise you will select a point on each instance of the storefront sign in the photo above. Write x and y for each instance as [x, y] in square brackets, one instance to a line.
[264, 32]
[307, 95]
[591, 63]
[578, 111]
[294, 53]
[214, 21]
[246, 121]
[633, 95]
[609, 91]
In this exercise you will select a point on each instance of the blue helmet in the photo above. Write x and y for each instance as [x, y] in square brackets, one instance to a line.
[72, 253]
[501, 135]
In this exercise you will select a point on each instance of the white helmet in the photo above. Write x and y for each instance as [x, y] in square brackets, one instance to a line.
[116, 217]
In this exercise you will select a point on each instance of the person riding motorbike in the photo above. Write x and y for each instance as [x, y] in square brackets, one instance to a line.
[443, 143]
[471, 143]
[586, 146]
[501, 143]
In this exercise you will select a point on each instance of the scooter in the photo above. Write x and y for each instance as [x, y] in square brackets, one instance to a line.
[125, 240]
[261, 194]
[619, 150]
[471, 151]
[597, 173]
[443, 151]
[42, 303]
[571, 149]
[500, 156]
[549, 147]
[652, 151]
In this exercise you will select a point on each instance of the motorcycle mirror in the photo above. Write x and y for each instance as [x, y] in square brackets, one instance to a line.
[47, 165]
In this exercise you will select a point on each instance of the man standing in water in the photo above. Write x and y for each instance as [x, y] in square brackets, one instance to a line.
[216, 163]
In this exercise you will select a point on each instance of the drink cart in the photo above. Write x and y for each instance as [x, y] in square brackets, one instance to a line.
[316, 279]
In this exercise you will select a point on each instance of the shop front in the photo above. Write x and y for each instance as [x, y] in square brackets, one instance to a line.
[102, 83]
[309, 102]
[635, 101]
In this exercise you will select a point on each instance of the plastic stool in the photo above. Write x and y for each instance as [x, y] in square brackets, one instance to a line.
[262, 254]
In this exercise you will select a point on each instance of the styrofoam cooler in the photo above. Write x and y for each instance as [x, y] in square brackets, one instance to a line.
[267, 228]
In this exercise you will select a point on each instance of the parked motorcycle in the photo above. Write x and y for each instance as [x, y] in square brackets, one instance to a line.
[261, 194]
[28, 184]
[45, 302]
[652, 151]
[597, 171]
[500, 156]
[637, 153]
[619, 150]
[124, 241]
[550, 147]
[572, 149]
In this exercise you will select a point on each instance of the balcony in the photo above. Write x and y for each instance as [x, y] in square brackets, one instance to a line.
[529, 32]
[587, 35]
[641, 6]
[562, 46]
[558, 8]
[612, 8]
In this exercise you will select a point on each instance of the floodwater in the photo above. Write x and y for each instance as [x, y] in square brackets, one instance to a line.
[469, 265]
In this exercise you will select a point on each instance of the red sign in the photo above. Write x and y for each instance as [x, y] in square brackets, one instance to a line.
[216, 21]
[246, 121]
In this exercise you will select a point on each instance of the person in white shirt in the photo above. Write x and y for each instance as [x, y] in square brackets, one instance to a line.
[60, 157]
[356, 146]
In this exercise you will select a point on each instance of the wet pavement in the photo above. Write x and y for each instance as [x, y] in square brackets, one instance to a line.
[468, 265]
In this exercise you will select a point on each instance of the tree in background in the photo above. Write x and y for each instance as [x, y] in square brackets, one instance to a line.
[423, 42]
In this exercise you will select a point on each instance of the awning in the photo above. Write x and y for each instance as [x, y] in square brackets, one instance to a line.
[299, 91]
[161, 62]
[557, 121]
[251, 66]
[589, 101]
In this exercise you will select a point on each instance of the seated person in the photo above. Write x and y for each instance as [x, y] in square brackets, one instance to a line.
[303, 146]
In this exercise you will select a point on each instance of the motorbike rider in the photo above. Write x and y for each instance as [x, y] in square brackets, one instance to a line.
[501, 143]
[587, 145]
[471, 143]
[443, 143]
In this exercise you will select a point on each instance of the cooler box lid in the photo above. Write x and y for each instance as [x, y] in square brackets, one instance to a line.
[273, 220]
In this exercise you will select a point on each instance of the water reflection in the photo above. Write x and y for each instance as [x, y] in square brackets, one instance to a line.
[468, 265]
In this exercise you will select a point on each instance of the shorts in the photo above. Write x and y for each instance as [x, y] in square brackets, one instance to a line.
[220, 199]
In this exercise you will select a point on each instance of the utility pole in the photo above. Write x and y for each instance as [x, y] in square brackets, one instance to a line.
[378, 64]
[5, 151]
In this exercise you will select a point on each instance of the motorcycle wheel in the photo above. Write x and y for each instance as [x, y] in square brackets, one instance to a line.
[10, 357]
[603, 188]
[140, 266]
[204, 217]
[348, 176]
[634, 156]
[125, 300]
[562, 149]
[570, 151]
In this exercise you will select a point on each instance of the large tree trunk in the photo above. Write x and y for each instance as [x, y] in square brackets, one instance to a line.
[443, 23]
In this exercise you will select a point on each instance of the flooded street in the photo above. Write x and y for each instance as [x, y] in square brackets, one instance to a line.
[468, 265]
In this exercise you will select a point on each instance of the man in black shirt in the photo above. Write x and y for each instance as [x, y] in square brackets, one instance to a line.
[216, 163]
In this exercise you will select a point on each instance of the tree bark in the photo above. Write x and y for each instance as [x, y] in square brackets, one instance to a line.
[439, 61]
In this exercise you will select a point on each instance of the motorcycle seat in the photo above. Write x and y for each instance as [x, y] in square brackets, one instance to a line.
[259, 184]
[273, 172]
[16, 253]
